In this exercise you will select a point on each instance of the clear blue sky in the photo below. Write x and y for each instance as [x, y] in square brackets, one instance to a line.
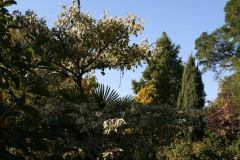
[183, 20]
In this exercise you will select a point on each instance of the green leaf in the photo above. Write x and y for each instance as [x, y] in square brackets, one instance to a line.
[68, 111]
[1, 17]
[3, 20]
[30, 36]
[40, 91]
[52, 129]
[30, 110]
[15, 58]
[9, 156]
[47, 64]
[68, 149]
[37, 146]
[4, 11]
[2, 28]
[54, 157]
[29, 53]
[12, 25]
[20, 65]
[21, 143]
[14, 114]
[68, 118]
[5, 46]
[1, 59]
[9, 3]
[21, 101]
[43, 39]
[4, 89]
[89, 45]
[15, 79]
[3, 110]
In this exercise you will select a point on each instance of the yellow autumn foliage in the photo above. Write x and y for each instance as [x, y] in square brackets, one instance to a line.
[90, 85]
[148, 95]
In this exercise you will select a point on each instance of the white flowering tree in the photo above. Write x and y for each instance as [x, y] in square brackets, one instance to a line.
[81, 44]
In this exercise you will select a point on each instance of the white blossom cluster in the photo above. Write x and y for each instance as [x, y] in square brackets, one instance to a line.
[109, 153]
[112, 125]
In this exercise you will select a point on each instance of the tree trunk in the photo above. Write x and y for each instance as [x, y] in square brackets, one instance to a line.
[80, 87]
[2, 125]
[79, 6]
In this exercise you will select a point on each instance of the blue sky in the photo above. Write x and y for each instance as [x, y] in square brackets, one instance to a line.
[182, 20]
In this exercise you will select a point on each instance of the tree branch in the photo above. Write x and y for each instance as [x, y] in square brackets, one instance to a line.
[100, 65]
[99, 53]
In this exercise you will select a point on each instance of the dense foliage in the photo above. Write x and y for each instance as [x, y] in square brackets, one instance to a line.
[164, 72]
[229, 89]
[51, 108]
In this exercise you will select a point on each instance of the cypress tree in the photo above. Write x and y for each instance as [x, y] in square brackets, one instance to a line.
[192, 94]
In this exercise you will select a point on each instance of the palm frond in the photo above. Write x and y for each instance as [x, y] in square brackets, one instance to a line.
[105, 94]
[128, 99]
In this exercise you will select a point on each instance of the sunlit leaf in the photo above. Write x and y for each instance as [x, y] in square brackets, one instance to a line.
[41, 40]
[40, 91]
[47, 64]
[29, 53]
[30, 110]
[9, 3]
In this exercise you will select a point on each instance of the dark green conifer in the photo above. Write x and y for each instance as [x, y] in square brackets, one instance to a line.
[192, 94]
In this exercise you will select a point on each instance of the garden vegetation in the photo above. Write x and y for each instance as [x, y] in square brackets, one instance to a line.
[52, 108]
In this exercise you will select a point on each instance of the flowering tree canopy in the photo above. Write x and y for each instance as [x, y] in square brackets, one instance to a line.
[85, 44]
[93, 44]
[99, 43]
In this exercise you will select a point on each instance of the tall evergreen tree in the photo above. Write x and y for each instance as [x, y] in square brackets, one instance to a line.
[164, 72]
[192, 94]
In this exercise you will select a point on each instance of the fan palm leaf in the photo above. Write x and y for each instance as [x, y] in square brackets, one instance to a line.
[103, 93]
[128, 99]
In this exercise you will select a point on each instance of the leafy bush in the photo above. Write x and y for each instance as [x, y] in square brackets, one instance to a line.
[224, 120]
[221, 137]
[211, 147]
